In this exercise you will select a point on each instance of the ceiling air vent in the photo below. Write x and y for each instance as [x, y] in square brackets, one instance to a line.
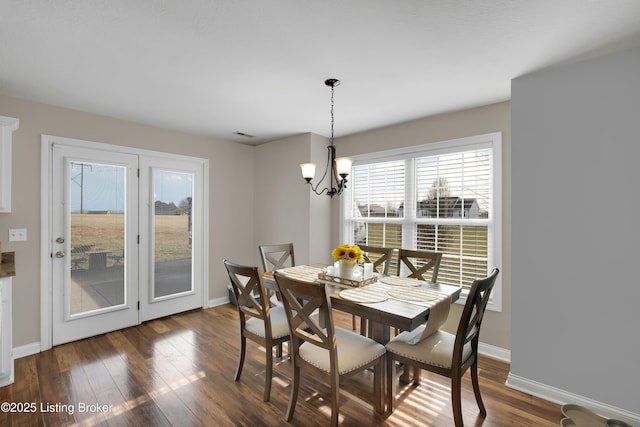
[246, 135]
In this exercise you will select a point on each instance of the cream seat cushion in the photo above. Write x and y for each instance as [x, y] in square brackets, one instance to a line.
[354, 351]
[279, 325]
[436, 349]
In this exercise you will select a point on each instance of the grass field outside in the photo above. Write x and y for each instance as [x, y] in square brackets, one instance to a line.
[106, 232]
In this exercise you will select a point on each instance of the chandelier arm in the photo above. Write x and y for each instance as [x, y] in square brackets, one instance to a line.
[320, 193]
[327, 167]
[330, 189]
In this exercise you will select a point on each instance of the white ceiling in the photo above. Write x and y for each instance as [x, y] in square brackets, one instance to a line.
[213, 67]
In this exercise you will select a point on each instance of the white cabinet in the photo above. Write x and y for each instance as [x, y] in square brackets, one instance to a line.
[6, 340]
[7, 126]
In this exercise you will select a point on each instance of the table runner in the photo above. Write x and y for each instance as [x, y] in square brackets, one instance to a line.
[401, 281]
[438, 313]
[366, 294]
[414, 294]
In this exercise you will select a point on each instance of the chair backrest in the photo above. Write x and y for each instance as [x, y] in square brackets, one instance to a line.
[472, 314]
[425, 261]
[251, 295]
[275, 257]
[379, 256]
[300, 300]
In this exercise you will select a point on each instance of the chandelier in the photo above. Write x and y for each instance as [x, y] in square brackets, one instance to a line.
[336, 170]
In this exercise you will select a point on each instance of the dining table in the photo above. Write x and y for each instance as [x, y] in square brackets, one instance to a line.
[388, 302]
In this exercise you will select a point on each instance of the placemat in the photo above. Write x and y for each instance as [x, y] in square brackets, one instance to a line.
[308, 273]
[365, 294]
[414, 294]
[401, 281]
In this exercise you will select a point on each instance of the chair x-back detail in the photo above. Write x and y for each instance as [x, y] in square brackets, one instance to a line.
[259, 322]
[327, 353]
[446, 354]
[428, 260]
[275, 257]
[381, 257]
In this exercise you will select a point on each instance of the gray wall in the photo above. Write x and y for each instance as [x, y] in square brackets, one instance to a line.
[285, 208]
[575, 207]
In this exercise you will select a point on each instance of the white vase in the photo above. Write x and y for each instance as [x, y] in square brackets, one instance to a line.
[346, 269]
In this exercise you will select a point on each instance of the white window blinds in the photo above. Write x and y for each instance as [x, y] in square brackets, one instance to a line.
[436, 197]
[453, 206]
[378, 189]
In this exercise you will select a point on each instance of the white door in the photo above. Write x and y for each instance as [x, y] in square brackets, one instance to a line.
[172, 237]
[128, 237]
[94, 249]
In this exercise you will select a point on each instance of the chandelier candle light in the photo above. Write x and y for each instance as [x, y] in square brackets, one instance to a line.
[339, 167]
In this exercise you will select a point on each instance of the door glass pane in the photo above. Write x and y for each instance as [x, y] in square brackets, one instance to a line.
[173, 197]
[96, 212]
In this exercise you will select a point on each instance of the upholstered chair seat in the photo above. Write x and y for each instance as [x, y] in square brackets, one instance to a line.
[436, 350]
[354, 352]
[279, 324]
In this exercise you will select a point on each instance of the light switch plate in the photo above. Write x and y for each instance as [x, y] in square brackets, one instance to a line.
[17, 234]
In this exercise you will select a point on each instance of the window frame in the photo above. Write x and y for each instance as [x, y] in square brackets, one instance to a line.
[409, 222]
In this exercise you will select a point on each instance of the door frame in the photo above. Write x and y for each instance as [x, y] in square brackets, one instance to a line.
[46, 237]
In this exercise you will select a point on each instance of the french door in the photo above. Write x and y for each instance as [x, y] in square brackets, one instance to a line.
[173, 229]
[94, 218]
[126, 238]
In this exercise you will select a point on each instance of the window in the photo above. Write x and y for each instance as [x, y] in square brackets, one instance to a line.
[441, 197]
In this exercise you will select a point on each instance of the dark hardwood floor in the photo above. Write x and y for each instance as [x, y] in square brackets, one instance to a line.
[178, 371]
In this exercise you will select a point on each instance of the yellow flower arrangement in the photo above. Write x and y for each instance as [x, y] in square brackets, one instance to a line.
[350, 253]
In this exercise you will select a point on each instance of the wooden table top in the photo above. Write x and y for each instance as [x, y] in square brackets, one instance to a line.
[392, 312]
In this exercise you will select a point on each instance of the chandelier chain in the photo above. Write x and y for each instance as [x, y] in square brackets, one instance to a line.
[332, 89]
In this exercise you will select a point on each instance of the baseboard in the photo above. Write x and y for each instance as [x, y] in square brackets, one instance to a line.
[218, 301]
[562, 397]
[26, 350]
[494, 352]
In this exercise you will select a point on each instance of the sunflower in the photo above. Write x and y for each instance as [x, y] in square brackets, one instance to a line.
[339, 253]
[350, 253]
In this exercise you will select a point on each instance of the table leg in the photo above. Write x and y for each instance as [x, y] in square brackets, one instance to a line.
[405, 377]
[381, 334]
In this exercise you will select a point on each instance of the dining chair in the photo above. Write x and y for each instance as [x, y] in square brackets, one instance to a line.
[275, 257]
[381, 259]
[419, 263]
[259, 322]
[325, 352]
[443, 353]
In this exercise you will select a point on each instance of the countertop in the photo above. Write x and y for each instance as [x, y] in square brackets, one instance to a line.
[8, 266]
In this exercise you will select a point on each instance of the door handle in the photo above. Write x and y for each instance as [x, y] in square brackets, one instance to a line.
[60, 254]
